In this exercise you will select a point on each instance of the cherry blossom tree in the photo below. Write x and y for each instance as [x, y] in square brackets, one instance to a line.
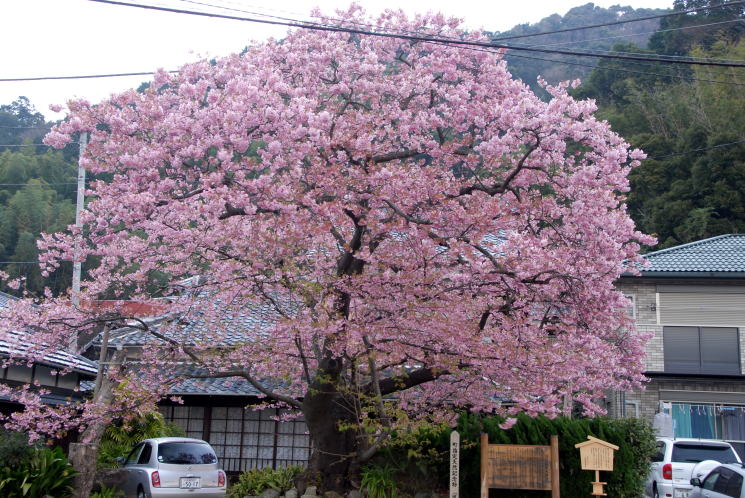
[423, 227]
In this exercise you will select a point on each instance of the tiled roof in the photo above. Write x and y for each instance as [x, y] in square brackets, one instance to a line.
[219, 386]
[213, 386]
[723, 255]
[5, 299]
[59, 359]
[236, 327]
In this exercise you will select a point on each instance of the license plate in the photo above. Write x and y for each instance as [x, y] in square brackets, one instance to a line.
[681, 493]
[189, 482]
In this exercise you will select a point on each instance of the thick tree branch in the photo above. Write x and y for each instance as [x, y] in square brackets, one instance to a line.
[403, 382]
[231, 211]
[504, 185]
[404, 154]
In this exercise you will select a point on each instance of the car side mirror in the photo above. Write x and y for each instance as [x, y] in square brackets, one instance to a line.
[696, 482]
[120, 461]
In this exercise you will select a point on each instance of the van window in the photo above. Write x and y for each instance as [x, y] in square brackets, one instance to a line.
[144, 459]
[186, 453]
[695, 452]
[660, 453]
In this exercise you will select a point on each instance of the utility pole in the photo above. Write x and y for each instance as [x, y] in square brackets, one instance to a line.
[77, 264]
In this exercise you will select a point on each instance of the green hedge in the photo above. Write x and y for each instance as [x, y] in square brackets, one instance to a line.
[424, 458]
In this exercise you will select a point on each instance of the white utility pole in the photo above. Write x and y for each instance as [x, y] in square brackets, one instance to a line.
[77, 264]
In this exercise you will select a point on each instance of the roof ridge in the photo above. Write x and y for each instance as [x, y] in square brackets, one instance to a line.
[690, 244]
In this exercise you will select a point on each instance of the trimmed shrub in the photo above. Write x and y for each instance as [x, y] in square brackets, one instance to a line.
[427, 453]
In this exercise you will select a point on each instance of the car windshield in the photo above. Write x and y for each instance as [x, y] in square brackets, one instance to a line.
[693, 452]
[186, 453]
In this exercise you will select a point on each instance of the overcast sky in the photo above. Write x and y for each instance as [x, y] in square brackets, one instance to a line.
[80, 37]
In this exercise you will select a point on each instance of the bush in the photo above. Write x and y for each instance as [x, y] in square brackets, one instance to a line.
[14, 447]
[41, 471]
[428, 453]
[254, 481]
[119, 438]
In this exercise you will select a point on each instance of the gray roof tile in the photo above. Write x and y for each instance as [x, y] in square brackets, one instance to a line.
[60, 358]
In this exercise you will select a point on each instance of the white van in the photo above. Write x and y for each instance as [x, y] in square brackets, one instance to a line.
[672, 466]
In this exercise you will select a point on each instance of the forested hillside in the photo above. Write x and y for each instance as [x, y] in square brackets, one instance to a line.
[528, 66]
[37, 192]
[689, 121]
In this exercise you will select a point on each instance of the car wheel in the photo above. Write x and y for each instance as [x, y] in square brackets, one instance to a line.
[141, 493]
[655, 493]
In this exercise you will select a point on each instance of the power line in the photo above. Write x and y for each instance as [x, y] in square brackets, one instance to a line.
[331, 28]
[35, 184]
[80, 77]
[26, 145]
[623, 21]
[661, 56]
[631, 35]
[697, 150]
[630, 71]
[339, 29]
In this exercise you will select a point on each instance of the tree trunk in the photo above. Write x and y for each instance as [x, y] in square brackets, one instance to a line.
[333, 426]
[84, 456]
[83, 459]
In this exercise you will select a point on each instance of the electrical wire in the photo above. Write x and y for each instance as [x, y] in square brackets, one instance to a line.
[697, 150]
[447, 41]
[79, 77]
[622, 21]
[26, 145]
[147, 73]
[629, 71]
[631, 35]
[35, 184]
[660, 56]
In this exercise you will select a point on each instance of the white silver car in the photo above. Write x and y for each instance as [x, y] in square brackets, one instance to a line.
[173, 466]
[722, 482]
[673, 466]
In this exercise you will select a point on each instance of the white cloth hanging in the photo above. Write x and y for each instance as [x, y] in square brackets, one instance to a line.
[663, 424]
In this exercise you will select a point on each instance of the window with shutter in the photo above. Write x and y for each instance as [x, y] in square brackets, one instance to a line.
[707, 350]
[719, 350]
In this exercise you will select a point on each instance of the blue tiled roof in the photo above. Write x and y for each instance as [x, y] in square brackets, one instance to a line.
[723, 255]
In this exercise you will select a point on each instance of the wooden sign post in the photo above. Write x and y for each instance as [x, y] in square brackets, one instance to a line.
[596, 454]
[454, 463]
[519, 466]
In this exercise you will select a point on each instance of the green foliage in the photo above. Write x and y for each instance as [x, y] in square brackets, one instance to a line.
[106, 492]
[119, 437]
[690, 188]
[379, 481]
[14, 447]
[254, 481]
[42, 471]
[427, 452]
